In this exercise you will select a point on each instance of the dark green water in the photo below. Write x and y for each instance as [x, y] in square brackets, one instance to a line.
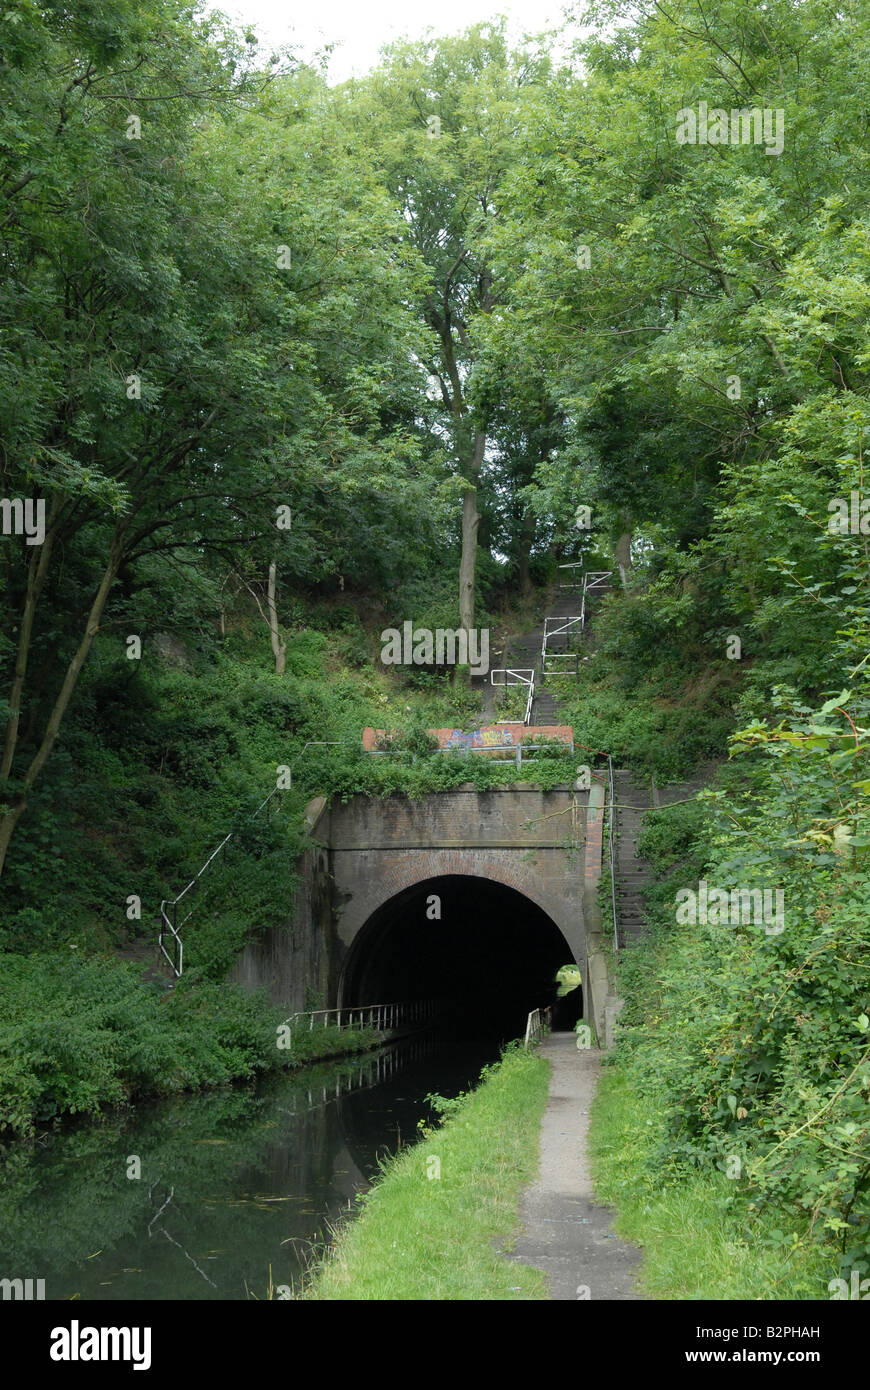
[231, 1183]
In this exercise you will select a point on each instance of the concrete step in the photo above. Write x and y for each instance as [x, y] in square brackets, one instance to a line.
[632, 801]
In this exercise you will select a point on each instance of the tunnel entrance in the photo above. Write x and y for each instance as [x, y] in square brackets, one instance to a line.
[489, 952]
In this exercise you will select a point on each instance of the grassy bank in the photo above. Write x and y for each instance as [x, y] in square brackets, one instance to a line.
[429, 1227]
[731, 1131]
[697, 1237]
[78, 1035]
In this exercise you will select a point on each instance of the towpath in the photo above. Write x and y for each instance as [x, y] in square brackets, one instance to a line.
[566, 1232]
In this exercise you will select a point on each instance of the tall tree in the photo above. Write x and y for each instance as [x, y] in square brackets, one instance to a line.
[442, 117]
[178, 343]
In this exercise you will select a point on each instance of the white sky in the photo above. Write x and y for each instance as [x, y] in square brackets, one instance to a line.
[360, 27]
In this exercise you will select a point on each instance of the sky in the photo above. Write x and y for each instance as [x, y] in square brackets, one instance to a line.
[360, 27]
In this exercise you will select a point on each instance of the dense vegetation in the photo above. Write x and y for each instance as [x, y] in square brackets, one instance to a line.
[288, 364]
[82, 1034]
[734, 1128]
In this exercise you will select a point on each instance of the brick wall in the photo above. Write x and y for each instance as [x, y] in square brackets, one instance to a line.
[367, 851]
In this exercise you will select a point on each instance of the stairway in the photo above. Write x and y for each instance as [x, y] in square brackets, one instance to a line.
[563, 604]
[632, 797]
[632, 874]
[526, 650]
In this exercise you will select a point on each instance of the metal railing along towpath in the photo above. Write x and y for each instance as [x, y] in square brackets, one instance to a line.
[383, 1017]
[537, 1024]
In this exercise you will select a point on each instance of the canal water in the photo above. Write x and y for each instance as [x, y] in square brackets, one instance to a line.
[231, 1184]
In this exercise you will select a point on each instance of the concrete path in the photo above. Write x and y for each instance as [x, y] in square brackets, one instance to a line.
[565, 1232]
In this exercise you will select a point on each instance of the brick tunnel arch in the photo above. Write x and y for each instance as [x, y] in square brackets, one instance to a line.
[481, 944]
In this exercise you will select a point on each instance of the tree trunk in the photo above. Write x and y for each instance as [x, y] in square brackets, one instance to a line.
[37, 570]
[279, 646]
[468, 562]
[7, 828]
[470, 523]
[622, 552]
[52, 728]
[526, 541]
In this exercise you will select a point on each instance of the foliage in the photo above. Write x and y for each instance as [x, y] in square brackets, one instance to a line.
[78, 1035]
[286, 297]
[751, 1043]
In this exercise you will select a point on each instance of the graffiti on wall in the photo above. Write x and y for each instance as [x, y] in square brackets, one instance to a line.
[480, 738]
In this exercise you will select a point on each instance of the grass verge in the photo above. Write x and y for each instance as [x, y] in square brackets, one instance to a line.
[693, 1229]
[427, 1229]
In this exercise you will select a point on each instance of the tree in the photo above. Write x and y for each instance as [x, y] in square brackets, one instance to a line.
[165, 384]
[441, 118]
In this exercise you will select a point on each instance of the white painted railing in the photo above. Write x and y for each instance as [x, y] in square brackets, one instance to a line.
[571, 580]
[383, 1017]
[586, 580]
[566, 625]
[519, 750]
[525, 675]
[169, 927]
[537, 1024]
[590, 580]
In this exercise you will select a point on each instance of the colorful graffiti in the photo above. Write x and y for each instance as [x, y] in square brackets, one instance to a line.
[480, 738]
[488, 736]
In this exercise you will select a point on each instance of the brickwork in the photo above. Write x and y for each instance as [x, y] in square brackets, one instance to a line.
[368, 851]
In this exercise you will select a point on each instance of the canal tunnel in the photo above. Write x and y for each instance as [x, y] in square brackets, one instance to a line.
[482, 948]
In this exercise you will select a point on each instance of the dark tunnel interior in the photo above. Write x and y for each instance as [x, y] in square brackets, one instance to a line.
[484, 949]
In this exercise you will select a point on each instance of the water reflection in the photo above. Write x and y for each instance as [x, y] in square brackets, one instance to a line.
[231, 1182]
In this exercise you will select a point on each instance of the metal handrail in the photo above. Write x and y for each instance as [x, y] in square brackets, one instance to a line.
[380, 1016]
[567, 624]
[537, 1024]
[521, 678]
[567, 621]
[525, 675]
[612, 857]
[591, 579]
[169, 908]
[177, 957]
[518, 749]
[597, 576]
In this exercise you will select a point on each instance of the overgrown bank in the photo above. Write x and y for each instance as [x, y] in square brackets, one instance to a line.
[732, 1130]
[172, 756]
[428, 1228]
[79, 1035]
